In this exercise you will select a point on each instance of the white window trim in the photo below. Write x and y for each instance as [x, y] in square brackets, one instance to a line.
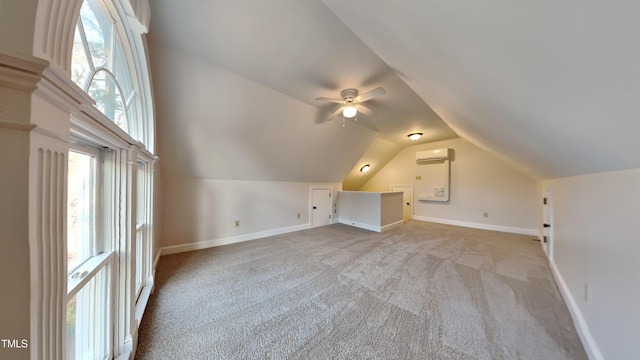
[87, 272]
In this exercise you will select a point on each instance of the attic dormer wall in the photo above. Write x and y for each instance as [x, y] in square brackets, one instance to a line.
[596, 257]
[480, 184]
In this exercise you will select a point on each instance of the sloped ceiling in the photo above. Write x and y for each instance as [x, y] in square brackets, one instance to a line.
[208, 130]
[550, 86]
[553, 86]
[235, 85]
[377, 155]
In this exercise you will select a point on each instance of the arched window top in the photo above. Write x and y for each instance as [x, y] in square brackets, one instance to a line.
[104, 65]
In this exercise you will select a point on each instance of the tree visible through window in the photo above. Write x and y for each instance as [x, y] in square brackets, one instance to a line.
[109, 233]
[88, 260]
[101, 67]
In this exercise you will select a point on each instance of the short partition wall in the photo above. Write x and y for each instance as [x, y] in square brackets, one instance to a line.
[375, 211]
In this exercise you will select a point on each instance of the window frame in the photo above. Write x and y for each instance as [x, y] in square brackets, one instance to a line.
[122, 153]
[142, 228]
[136, 107]
[101, 262]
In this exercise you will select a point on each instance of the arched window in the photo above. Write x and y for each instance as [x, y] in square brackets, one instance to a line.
[110, 185]
[103, 65]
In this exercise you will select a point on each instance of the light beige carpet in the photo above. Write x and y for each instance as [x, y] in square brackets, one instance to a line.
[418, 291]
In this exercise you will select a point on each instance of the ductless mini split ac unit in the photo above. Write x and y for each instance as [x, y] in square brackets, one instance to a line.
[430, 156]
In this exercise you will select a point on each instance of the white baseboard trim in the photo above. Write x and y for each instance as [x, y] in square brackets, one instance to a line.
[392, 225]
[174, 249]
[508, 229]
[590, 346]
[360, 225]
[369, 226]
[155, 263]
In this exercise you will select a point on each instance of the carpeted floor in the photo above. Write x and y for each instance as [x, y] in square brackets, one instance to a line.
[418, 291]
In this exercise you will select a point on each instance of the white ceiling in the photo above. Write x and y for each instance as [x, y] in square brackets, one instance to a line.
[550, 86]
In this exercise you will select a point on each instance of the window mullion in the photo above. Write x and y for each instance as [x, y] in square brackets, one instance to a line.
[87, 271]
[87, 51]
[130, 99]
[112, 44]
[101, 216]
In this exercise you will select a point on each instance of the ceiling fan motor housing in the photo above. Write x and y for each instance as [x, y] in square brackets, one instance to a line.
[349, 95]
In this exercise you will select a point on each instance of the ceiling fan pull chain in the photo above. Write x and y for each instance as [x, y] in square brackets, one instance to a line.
[343, 121]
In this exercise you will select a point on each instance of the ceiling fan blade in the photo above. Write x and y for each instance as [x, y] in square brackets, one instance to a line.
[365, 110]
[337, 101]
[370, 95]
[335, 113]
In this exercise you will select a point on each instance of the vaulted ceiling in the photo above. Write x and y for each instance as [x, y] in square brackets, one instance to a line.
[551, 87]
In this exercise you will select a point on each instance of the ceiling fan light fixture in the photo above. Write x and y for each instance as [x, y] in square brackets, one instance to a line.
[414, 136]
[365, 168]
[349, 111]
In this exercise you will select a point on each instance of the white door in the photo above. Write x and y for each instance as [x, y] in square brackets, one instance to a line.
[407, 200]
[320, 207]
[547, 224]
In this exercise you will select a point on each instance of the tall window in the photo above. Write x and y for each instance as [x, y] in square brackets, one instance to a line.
[110, 187]
[89, 260]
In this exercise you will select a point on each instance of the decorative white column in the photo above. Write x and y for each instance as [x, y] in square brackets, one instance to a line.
[19, 75]
[35, 109]
[47, 215]
[37, 104]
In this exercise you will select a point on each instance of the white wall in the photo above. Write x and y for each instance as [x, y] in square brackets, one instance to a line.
[480, 183]
[597, 242]
[199, 213]
[214, 124]
[391, 209]
[14, 235]
[359, 207]
[375, 211]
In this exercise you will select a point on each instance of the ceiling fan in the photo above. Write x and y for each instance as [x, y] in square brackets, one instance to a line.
[352, 102]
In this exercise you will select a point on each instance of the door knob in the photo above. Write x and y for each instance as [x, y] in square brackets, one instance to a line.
[315, 207]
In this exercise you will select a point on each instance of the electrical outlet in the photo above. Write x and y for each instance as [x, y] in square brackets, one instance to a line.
[298, 216]
[486, 215]
[237, 223]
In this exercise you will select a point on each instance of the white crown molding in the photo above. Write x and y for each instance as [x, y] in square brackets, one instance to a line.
[32, 74]
[93, 126]
[53, 135]
[60, 91]
[16, 126]
[20, 72]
